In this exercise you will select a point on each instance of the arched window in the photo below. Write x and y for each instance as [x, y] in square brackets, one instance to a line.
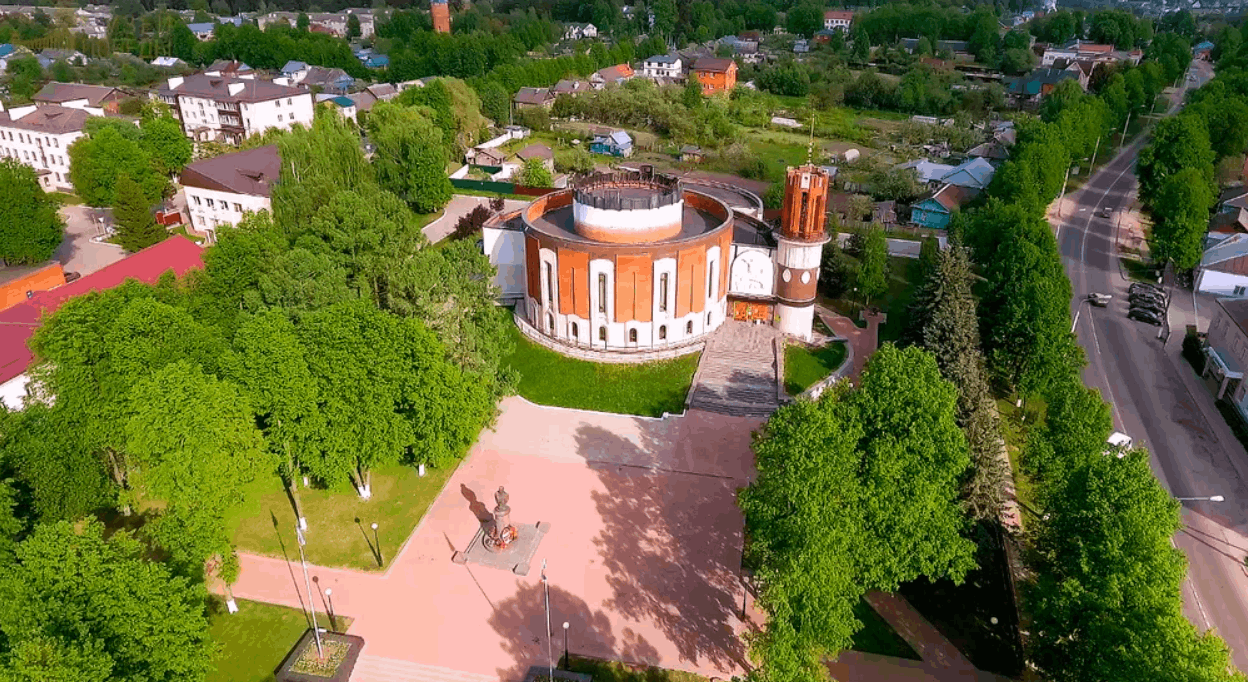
[602, 334]
[632, 335]
[576, 332]
[689, 327]
[663, 332]
[550, 323]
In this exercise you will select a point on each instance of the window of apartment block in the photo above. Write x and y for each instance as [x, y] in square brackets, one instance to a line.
[238, 208]
[289, 102]
[279, 118]
[211, 204]
[197, 201]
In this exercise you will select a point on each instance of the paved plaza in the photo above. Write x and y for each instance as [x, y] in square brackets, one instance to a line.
[643, 553]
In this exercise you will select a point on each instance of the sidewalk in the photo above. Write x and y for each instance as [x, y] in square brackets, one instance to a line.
[864, 340]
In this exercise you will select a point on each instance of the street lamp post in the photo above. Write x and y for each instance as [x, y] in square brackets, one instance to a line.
[377, 542]
[329, 603]
[320, 652]
[566, 660]
[550, 658]
[1211, 498]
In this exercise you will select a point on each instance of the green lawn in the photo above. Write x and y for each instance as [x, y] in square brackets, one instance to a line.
[902, 276]
[648, 389]
[254, 641]
[339, 532]
[804, 366]
[614, 671]
[878, 637]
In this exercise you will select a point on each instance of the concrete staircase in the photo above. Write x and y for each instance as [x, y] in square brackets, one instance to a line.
[378, 669]
[737, 374]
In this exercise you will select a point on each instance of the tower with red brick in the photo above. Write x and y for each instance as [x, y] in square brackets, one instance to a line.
[801, 238]
[441, 16]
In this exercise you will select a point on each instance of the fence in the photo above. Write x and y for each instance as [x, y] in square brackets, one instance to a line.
[499, 187]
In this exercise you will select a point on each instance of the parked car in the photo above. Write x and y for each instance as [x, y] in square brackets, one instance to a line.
[1144, 286]
[72, 276]
[1142, 315]
[1106, 212]
[1148, 298]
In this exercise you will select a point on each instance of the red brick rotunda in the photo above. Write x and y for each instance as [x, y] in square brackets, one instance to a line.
[626, 262]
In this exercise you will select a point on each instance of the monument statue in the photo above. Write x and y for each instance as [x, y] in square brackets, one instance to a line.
[501, 533]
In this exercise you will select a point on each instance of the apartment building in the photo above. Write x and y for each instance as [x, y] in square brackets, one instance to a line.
[663, 66]
[225, 109]
[837, 20]
[220, 190]
[39, 136]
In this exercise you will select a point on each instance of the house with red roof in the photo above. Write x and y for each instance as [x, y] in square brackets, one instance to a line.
[18, 323]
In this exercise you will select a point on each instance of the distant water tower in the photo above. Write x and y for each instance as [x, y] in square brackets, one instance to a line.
[441, 16]
[801, 240]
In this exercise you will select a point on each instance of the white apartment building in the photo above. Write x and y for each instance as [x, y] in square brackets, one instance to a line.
[837, 20]
[227, 109]
[662, 66]
[39, 136]
[220, 190]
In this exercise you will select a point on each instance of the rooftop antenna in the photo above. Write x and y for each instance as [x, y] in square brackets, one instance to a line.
[810, 146]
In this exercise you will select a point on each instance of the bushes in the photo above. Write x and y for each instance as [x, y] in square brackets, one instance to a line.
[1193, 351]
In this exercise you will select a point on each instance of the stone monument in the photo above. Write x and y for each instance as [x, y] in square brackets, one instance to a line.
[501, 533]
[500, 544]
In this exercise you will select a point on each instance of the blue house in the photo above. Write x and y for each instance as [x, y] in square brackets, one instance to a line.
[618, 143]
[377, 61]
[6, 49]
[974, 173]
[1203, 50]
[293, 67]
[936, 211]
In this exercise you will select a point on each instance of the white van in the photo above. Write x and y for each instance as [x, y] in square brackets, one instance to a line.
[1118, 443]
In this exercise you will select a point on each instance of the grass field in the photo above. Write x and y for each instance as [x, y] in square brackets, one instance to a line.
[878, 637]
[339, 532]
[804, 366]
[648, 389]
[902, 273]
[254, 641]
[614, 671]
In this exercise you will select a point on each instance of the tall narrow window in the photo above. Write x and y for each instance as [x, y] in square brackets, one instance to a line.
[689, 327]
[550, 323]
[602, 296]
[710, 282]
[663, 292]
[602, 334]
[550, 285]
[576, 332]
[632, 336]
[662, 332]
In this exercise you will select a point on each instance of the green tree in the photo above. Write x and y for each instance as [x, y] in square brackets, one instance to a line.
[804, 19]
[270, 367]
[99, 159]
[872, 279]
[353, 26]
[410, 157]
[30, 226]
[136, 226]
[165, 143]
[1181, 213]
[855, 492]
[495, 103]
[92, 608]
[193, 444]
[534, 174]
[860, 51]
[691, 96]
[302, 22]
[25, 78]
[1178, 142]
[65, 480]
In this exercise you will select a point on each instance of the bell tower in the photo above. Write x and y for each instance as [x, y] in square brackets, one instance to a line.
[441, 13]
[802, 235]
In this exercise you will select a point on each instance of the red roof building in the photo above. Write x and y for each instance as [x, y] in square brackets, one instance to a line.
[18, 324]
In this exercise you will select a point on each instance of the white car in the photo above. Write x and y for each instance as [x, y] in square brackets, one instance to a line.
[1118, 443]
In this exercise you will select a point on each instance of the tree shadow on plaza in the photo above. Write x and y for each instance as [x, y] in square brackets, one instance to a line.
[671, 544]
[521, 621]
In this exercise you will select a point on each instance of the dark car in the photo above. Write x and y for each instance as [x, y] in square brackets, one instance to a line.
[1143, 286]
[1144, 298]
[1142, 315]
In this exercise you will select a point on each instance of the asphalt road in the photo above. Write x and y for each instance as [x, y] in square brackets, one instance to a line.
[1159, 401]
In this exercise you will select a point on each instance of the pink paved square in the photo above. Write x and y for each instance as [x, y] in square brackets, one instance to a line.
[644, 550]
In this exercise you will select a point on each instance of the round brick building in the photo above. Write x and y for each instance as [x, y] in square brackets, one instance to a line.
[626, 261]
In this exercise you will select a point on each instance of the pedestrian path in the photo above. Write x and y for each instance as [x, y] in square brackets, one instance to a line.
[737, 374]
[381, 669]
[864, 340]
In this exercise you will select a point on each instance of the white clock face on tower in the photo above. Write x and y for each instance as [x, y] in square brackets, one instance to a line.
[752, 274]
